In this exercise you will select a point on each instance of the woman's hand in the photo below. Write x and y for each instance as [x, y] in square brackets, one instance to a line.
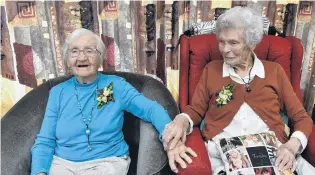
[180, 154]
[175, 131]
[286, 155]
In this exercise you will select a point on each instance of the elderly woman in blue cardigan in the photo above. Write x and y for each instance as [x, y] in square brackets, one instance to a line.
[82, 128]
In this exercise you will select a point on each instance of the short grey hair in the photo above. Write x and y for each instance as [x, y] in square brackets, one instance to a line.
[243, 18]
[77, 33]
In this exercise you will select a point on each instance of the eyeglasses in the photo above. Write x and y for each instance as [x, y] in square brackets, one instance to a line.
[87, 52]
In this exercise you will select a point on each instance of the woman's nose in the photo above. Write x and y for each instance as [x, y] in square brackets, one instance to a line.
[82, 56]
[226, 48]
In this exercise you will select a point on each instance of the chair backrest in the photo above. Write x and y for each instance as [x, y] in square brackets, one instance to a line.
[198, 50]
[20, 125]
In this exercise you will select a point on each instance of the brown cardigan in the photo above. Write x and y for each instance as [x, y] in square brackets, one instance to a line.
[267, 97]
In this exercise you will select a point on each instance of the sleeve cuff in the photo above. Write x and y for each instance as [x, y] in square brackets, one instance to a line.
[191, 123]
[303, 139]
[40, 171]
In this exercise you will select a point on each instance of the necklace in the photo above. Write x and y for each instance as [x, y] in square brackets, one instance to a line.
[86, 121]
[247, 85]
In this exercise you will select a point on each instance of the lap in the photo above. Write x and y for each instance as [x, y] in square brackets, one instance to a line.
[111, 166]
[217, 163]
[105, 166]
[303, 167]
[58, 167]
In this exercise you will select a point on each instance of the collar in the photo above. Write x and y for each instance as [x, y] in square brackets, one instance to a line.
[91, 84]
[258, 69]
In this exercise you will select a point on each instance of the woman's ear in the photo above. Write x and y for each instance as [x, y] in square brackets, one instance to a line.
[67, 67]
[100, 67]
[66, 62]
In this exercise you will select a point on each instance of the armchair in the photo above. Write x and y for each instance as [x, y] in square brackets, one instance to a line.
[21, 124]
[197, 51]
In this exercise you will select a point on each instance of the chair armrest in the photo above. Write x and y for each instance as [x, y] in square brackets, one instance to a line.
[19, 127]
[184, 72]
[309, 152]
[201, 164]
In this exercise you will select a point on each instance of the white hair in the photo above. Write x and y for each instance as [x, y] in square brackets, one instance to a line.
[77, 33]
[242, 18]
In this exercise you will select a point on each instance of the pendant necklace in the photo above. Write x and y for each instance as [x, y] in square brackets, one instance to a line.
[85, 120]
[247, 85]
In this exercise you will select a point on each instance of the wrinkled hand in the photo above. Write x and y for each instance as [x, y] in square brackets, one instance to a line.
[175, 131]
[180, 154]
[286, 155]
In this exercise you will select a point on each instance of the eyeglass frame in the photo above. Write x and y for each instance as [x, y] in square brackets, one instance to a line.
[79, 50]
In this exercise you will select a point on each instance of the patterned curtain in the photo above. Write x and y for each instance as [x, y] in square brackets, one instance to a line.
[140, 36]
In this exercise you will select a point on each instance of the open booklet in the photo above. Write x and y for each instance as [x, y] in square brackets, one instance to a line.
[250, 154]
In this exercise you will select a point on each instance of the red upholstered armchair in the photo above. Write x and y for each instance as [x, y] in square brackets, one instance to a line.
[197, 51]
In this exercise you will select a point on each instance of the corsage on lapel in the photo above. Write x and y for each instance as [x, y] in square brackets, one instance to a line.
[225, 95]
[105, 95]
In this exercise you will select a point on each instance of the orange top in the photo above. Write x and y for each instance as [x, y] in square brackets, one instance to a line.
[267, 98]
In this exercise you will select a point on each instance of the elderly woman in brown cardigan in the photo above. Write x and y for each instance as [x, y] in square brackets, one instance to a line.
[261, 91]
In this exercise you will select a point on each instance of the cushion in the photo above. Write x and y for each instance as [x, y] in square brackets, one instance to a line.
[249, 154]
